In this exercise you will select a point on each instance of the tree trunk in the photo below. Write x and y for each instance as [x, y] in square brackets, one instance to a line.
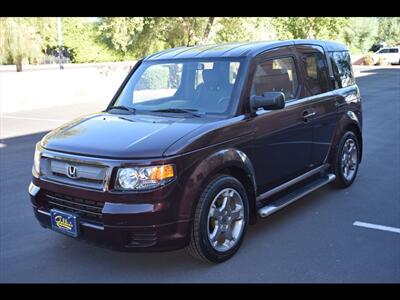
[18, 64]
[208, 30]
[19, 67]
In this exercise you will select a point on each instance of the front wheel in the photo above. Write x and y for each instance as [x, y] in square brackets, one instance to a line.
[220, 220]
[346, 160]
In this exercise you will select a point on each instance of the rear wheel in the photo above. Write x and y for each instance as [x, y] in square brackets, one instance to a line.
[220, 220]
[346, 160]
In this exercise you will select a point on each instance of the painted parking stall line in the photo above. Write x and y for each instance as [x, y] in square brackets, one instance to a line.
[376, 226]
[32, 119]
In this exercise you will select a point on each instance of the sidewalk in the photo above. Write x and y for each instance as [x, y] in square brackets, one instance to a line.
[40, 87]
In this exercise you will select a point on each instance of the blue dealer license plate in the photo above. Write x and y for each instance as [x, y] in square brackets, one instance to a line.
[63, 222]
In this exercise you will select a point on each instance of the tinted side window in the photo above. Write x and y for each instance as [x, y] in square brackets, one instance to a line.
[275, 75]
[342, 70]
[316, 72]
[394, 50]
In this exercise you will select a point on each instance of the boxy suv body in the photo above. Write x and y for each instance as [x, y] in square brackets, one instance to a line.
[390, 54]
[198, 142]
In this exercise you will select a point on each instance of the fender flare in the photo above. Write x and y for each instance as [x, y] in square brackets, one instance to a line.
[213, 164]
[348, 120]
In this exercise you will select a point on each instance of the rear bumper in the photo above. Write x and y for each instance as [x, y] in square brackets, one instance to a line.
[119, 228]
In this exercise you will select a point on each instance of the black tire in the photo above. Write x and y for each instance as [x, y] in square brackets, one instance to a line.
[200, 246]
[341, 181]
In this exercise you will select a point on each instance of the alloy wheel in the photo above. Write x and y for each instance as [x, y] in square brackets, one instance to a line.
[225, 220]
[349, 159]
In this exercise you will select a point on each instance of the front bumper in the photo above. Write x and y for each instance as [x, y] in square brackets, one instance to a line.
[123, 226]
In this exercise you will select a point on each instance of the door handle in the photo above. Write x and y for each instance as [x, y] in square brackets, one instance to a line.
[307, 114]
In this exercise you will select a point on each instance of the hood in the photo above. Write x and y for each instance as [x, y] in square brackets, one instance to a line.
[119, 136]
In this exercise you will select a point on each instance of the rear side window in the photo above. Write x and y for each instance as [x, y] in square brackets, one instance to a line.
[341, 67]
[316, 72]
[394, 50]
[276, 75]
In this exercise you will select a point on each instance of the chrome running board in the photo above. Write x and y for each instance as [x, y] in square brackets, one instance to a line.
[284, 186]
[295, 195]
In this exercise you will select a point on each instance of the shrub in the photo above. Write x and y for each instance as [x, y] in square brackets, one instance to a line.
[382, 62]
[368, 60]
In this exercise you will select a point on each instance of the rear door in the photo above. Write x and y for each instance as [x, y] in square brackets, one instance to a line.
[321, 99]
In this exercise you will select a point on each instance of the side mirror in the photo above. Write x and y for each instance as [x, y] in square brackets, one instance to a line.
[268, 100]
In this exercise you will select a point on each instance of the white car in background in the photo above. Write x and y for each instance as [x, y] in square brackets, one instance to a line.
[390, 54]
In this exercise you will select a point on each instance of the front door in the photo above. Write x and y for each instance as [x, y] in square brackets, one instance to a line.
[283, 138]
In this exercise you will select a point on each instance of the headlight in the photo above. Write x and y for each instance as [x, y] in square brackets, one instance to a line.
[36, 160]
[144, 178]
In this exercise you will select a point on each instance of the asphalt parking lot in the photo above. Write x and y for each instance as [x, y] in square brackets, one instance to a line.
[312, 240]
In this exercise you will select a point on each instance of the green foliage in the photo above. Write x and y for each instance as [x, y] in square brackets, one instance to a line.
[121, 33]
[243, 29]
[360, 34]
[81, 36]
[131, 38]
[47, 28]
[308, 27]
[19, 41]
[141, 36]
[389, 31]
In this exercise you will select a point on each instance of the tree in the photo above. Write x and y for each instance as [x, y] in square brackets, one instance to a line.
[121, 33]
[83, 39]
[389, 30]
[184, 31]
[243, 29]
[309, 27]
[207, 31]
[19, 41]
[360, 33]
[140, 36]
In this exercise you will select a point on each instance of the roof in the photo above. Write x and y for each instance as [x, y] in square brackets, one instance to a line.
[243, 49]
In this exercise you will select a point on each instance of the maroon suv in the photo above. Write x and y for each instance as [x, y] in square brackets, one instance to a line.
[198, 142]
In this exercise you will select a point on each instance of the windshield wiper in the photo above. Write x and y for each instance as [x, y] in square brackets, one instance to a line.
[123, 107]
[179, 111]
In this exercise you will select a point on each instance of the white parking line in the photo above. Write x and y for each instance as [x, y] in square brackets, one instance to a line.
[32, 119]
[378, 227]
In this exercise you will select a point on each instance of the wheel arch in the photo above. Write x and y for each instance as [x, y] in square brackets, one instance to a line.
[233, 162]
[347, 122]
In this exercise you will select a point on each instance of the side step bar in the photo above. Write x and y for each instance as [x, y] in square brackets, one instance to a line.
[292, 197]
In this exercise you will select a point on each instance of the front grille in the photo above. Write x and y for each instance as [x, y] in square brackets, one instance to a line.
[86, 209]
[87, 175]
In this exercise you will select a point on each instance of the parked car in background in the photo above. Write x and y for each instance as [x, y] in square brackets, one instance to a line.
[390, 54]
[199, 142]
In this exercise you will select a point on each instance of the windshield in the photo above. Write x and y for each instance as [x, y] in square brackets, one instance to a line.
[204, 87]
